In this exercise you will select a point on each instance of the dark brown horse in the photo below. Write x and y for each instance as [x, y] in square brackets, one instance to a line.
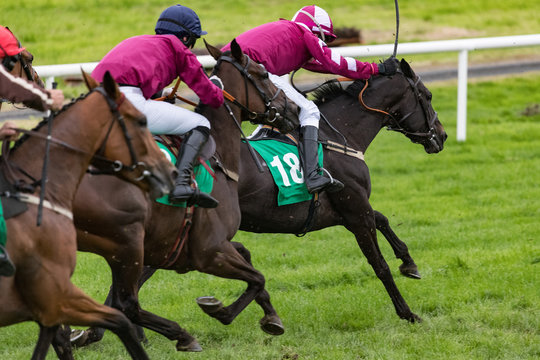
[100, 127]
[133, 230]
[400, 102]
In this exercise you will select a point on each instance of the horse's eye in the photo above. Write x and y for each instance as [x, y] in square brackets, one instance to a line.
[142, 121]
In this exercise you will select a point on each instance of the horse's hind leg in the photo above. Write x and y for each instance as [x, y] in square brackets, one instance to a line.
[270, 323]
[221, 259]
[408, 267]
[81, 310]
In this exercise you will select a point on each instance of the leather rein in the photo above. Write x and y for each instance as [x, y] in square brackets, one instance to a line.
[105, 166]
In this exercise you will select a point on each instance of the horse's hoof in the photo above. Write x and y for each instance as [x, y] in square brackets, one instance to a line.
[209, 304]
[409, 271]
[272, 325]
[78, 338]
[191, 347]
[415, 319]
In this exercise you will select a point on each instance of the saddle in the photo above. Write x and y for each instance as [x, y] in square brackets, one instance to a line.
[173, 143]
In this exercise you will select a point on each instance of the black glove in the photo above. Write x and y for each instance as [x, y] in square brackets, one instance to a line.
[216, 81]
[388, 66]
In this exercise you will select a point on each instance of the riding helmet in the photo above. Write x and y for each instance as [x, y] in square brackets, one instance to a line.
[180, 21]
[8, 43]
[317, 20]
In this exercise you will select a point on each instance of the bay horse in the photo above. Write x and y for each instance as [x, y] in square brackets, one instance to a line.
[135, 231]
[101, 128]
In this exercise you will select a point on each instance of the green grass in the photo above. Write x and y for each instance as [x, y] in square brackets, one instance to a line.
[469, 216]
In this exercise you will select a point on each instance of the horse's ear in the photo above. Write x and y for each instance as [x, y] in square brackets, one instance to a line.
[89, 80]
[406, 68]
[110, 85]
[236, 51]
[214, 51]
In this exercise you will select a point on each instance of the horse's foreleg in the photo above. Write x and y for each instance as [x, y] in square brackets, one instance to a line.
[227, 263]
[126, 283]
[366, 237]
[46, 335]
[270, 323]
[408, 267]
[61, 343]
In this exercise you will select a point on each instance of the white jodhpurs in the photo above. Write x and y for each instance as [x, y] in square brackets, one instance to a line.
[309, 112]
[162, 117]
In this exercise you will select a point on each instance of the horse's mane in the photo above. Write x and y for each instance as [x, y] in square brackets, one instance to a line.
[45, 120]
[329, 91]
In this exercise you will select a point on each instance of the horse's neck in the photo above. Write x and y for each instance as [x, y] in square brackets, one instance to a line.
[65, 167]
[226, 134]
[357, 124]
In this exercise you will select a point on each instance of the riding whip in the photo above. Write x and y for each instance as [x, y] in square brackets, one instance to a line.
[397, 28]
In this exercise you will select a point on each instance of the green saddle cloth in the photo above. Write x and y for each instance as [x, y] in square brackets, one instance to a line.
[204, 179]
[284, 164]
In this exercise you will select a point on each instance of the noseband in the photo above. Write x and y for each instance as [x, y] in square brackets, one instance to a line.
[271, 113]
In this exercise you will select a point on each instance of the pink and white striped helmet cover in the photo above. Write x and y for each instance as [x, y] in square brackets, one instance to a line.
[316, 19]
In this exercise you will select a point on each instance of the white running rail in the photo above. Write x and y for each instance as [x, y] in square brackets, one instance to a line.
[463, 46]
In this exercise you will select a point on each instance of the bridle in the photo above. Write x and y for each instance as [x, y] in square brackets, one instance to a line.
[395, 125]
[114, 166]
[271, 113]
[103, 164]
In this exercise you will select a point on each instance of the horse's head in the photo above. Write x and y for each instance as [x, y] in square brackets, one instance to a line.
[21, 66]
[249, 87]
[136, 157]
[411, 112]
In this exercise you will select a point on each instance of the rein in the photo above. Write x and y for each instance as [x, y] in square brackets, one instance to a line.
[115, 166]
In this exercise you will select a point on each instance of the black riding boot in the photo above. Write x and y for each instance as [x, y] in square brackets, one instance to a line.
[315, 182]
[6, 266]
[187, 159]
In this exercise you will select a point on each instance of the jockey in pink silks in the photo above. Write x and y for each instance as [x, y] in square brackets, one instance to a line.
[284, 46]
[144, 65]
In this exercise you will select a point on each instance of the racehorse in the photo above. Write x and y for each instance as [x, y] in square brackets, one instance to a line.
[400, 102]
[134, 231]
[23, 68]
[101, 128]
[406, 107]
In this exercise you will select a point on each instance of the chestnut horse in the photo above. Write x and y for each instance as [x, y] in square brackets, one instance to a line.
[134, 231]
[23, 68]
[100, 128]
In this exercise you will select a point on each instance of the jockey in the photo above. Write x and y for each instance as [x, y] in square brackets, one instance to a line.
[284, 46]
[16, 89]
[143, 65]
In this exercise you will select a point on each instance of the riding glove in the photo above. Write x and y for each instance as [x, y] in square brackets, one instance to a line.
[217, 81]
[388, 67]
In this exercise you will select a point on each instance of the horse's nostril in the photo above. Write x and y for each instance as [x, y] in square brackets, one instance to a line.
[174, 174]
